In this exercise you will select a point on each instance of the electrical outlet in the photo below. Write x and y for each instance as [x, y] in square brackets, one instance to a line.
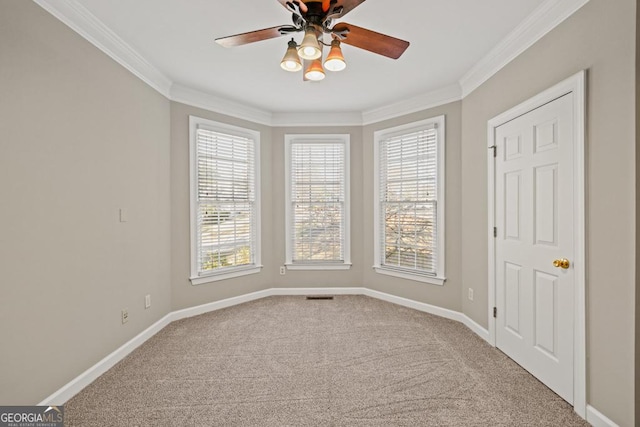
[283, 270]
[147, 301]
[125, 316]
[470, 294]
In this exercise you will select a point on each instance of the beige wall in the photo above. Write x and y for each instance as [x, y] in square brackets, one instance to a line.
[600, 38]
[80, 137]
[446, 296]
[183, 293]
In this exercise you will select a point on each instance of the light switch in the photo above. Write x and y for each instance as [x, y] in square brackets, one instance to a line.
[124, 215]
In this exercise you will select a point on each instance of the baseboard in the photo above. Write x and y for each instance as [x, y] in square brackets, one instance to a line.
[475, 327]
[229, 302]
[218, 305]
[91, 374]
[420, 306]
[87, 377]
[431, 309]
[317, 291]
[598, 419]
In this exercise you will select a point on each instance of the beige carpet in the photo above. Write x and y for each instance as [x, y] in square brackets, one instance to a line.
[288, 361]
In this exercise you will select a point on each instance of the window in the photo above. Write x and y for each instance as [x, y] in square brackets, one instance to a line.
[225, 202]
[317, 201]
[409, 201]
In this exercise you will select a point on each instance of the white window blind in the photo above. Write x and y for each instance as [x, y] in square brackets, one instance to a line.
[226, 203]
[317, 211]
[409, 193]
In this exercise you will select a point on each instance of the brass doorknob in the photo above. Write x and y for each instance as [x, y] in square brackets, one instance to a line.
[561, 263]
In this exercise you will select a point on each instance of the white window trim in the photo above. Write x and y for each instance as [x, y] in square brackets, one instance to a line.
[227, 272]
[439, 278]
[318, 138]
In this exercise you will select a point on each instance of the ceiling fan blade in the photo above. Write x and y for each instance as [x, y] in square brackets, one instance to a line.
[381, 44]
[255, 36]
[342, 7]
[295, 6]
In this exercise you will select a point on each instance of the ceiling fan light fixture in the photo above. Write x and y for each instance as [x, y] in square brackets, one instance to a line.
[310, 48]
[315, 72]
[315, 18]
[291, 61]
[335, 60]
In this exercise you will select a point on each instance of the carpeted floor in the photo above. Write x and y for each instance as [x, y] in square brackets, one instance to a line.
[288, 361]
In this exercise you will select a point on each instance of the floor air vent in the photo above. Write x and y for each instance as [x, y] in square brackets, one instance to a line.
[319, 296]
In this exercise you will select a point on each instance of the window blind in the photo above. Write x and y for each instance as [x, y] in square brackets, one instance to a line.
[317, 201]
[408, 201]
[226, 208]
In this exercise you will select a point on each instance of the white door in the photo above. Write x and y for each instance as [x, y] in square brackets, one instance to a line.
[534, 221]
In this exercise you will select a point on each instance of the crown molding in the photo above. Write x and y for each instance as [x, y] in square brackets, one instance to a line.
[217, 104]
[544, 19]
[83, 22]
[350, 118]
[420, 102]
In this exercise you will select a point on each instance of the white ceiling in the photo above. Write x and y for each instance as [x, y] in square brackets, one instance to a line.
[177, 37]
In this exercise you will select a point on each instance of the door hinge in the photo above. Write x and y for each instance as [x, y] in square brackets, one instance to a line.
[495, 312]
[494, 148]
[495, 231]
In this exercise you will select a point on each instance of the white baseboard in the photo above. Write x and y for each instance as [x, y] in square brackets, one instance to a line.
[431, 309]
[475, 327]
[317, 291]
[87, 377]
[91, 374]
[218, 305]
[598, 419]
[420, 306]
[229, 302]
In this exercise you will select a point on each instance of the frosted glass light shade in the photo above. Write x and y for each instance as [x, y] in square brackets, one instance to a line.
[335, 60]
[310, 48]
[291, 61]
[315, 72]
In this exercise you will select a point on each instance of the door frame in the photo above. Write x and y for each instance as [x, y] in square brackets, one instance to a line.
[575, 84]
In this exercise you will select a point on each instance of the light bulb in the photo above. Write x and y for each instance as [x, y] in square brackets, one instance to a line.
[291, 65]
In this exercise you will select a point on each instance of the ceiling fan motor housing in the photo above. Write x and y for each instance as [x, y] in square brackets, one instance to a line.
[315, 16]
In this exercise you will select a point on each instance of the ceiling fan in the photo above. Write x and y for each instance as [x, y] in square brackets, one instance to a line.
[315, 18]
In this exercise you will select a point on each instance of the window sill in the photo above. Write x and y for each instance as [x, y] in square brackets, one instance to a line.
[433, 280]
[223, 275]
[328, 266]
